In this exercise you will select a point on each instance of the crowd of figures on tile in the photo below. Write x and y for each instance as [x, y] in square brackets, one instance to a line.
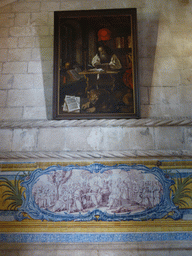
[113, 191]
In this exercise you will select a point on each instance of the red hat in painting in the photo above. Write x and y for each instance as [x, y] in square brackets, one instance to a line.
[104, 34]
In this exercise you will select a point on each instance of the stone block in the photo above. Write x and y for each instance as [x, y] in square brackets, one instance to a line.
[163, 95]
[77, 252]
[47, 67]
[35, 67]
[36, 54]
[3, 98]
[49, 110]
[179, 18]
[77, 5]
[144, 95]
[169, 78]
[50, 6]
[144, 111]
[44, 41]
[147, 39]
[164, 51]
[166, 100]
[51, 30]
[26, 7]
[48, 96]
[9, 42]
[3, 32]
[188, 138]
[38, 80]
[51, 139]
[51, 18]
[164, 78]
[15, 67]
[23, 81]
[146, 63]
[24, 139]
[29, 97]
[39, 18]
[148, 111]
[3, 55]
[40, 30]
[84, 139]
[21, 31]
[26, 42]
[5, 8]
[187, 45]
[170, 110]
[125, 4]
[185, 110]
[48, 81]
[137, 138]
[1, 67]
[22, 19]
[42, 54]
[187, 62]
[155, 95]
[11, 253]
[6, 20]
[111, 138]
[167, 138]
[146, 51]
[185, 94]
[170, 43]
[148, 26]
[186, 77]
[47, 54]
[6, 81]
[19, 54]
[120, 253]
[164, 32]
[38, 252]
[167, 64]
[34, 113]
[5, 140]
[10, 113]
[145, 77]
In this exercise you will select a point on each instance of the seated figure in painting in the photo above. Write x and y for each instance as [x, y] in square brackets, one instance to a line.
[105, 57]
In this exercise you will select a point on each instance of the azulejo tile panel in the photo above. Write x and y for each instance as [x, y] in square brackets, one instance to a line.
[92, 198]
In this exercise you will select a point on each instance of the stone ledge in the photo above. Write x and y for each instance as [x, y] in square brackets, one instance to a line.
[93, 155]
[144, 122]
[161, 245]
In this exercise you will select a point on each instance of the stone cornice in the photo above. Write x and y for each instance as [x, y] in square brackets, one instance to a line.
[144, 122]
[93, 155]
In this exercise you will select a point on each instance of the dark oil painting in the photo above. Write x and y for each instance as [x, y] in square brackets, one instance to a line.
[95, 64]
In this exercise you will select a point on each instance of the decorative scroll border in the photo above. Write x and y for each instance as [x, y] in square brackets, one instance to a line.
[164, 208]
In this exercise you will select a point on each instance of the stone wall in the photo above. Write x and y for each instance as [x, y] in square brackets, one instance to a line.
[165, 79]
[26, 82]
[26, 56]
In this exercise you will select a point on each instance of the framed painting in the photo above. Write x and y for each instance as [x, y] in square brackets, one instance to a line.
[95, 64]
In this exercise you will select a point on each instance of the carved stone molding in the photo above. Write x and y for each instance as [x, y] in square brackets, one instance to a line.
[97, 155]
[96, 122]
